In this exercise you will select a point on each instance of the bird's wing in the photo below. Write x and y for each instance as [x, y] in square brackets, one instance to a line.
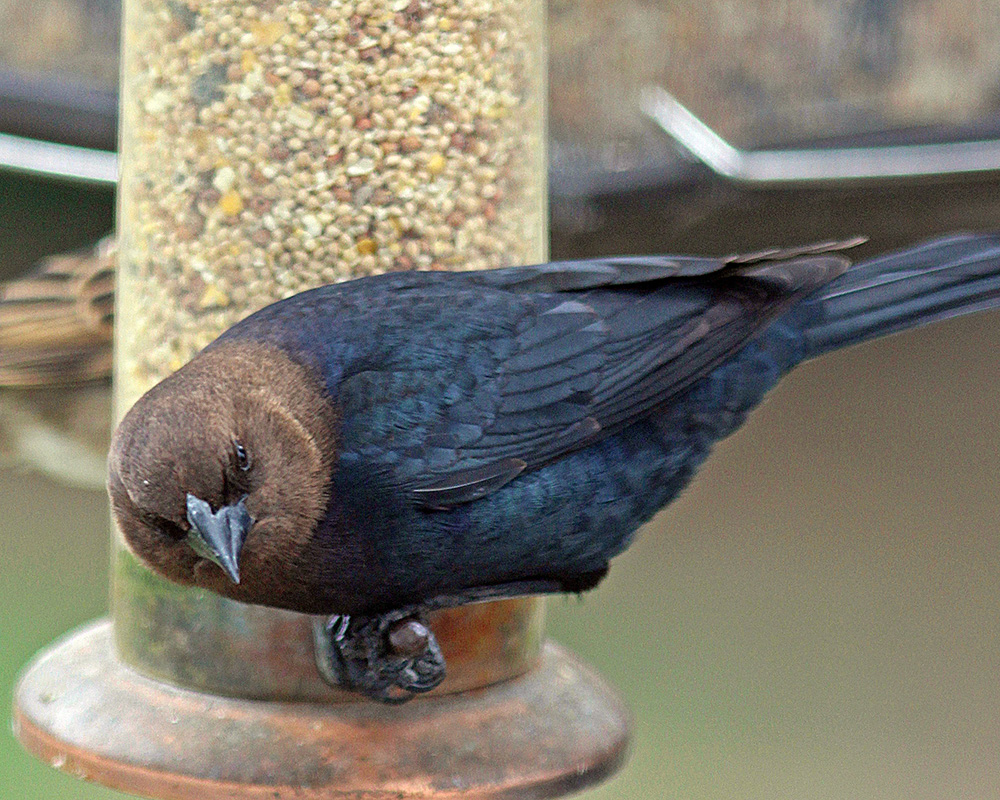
[594, 346]
[55, 323]
[587, 274]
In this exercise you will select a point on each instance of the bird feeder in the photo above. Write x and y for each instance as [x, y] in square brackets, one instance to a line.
[268, 148]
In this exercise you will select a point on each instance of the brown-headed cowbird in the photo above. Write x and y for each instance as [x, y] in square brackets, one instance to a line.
[374, 449]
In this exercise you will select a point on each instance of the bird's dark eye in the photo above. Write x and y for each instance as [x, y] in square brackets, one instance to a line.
[242, 457]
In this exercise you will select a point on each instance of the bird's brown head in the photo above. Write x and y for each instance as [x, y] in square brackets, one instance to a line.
[219, 474]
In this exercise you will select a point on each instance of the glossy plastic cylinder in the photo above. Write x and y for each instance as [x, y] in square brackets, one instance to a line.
[271, 147]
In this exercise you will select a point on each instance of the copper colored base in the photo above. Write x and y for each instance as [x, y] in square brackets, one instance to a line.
[554, 730]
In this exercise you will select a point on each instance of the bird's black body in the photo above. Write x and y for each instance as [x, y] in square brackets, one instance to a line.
[518, 425]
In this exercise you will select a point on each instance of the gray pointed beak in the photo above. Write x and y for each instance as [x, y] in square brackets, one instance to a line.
[219, 536]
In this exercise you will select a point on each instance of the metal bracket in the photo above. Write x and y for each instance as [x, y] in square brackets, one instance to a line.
[809, 165]
[53, 160]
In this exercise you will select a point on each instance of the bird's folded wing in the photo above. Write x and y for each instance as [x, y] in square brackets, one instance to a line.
[599, 345]
[55, 323]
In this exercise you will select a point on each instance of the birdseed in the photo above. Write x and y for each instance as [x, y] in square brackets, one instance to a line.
[271, 147]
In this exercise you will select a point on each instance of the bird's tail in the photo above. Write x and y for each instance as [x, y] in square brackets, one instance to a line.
[935, 280]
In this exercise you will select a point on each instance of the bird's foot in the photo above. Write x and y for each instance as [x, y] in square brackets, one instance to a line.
[386, 657]
[392, 656]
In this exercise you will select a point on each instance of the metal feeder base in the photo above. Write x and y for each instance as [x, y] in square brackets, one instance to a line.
[554, 730]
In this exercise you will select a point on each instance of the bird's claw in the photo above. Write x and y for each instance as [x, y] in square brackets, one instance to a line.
[388, 657]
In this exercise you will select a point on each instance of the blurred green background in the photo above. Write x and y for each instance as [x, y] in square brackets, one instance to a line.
[817, 617]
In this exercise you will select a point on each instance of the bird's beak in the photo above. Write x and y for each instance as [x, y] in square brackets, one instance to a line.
[219, 536]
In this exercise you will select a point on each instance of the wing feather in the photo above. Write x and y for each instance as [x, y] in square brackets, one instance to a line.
[547, 359]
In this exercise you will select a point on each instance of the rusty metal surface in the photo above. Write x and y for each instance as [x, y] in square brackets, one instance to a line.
[556, 729]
